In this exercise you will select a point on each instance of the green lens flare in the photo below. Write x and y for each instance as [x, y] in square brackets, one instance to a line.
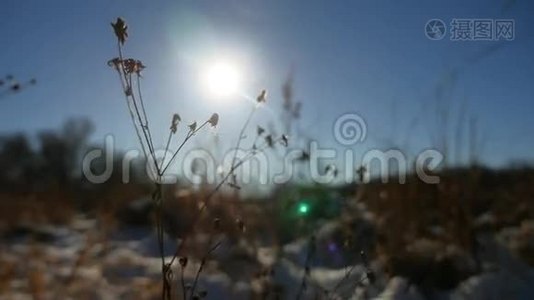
[303, 208]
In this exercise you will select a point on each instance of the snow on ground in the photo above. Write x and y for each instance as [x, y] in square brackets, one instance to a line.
[73, 262]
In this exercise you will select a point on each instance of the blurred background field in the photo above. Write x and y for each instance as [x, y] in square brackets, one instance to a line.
[470, 236]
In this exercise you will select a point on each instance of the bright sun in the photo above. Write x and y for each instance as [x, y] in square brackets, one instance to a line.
[222, 80]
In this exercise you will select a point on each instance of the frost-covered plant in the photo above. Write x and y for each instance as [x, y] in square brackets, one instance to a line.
[129, 72]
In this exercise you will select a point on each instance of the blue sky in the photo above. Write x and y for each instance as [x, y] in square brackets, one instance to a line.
[369, 57]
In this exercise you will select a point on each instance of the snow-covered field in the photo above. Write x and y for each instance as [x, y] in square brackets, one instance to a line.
[78, 262]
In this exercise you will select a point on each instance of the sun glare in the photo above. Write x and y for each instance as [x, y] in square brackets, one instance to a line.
[222, 80]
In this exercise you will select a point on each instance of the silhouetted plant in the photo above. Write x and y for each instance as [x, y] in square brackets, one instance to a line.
[307, 267]
[129, 71]
[369, 275]
[9, 85]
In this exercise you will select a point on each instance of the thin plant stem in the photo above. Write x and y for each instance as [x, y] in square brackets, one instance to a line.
[182, 282]
[138, 134]
[345, 277]
[143, 110]
[166, 148]
[309, 255]
[126, 83]
[332, 293]
[211, 194]
[202, 264]
[242, 132]
[145, 133]
[190, 134]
